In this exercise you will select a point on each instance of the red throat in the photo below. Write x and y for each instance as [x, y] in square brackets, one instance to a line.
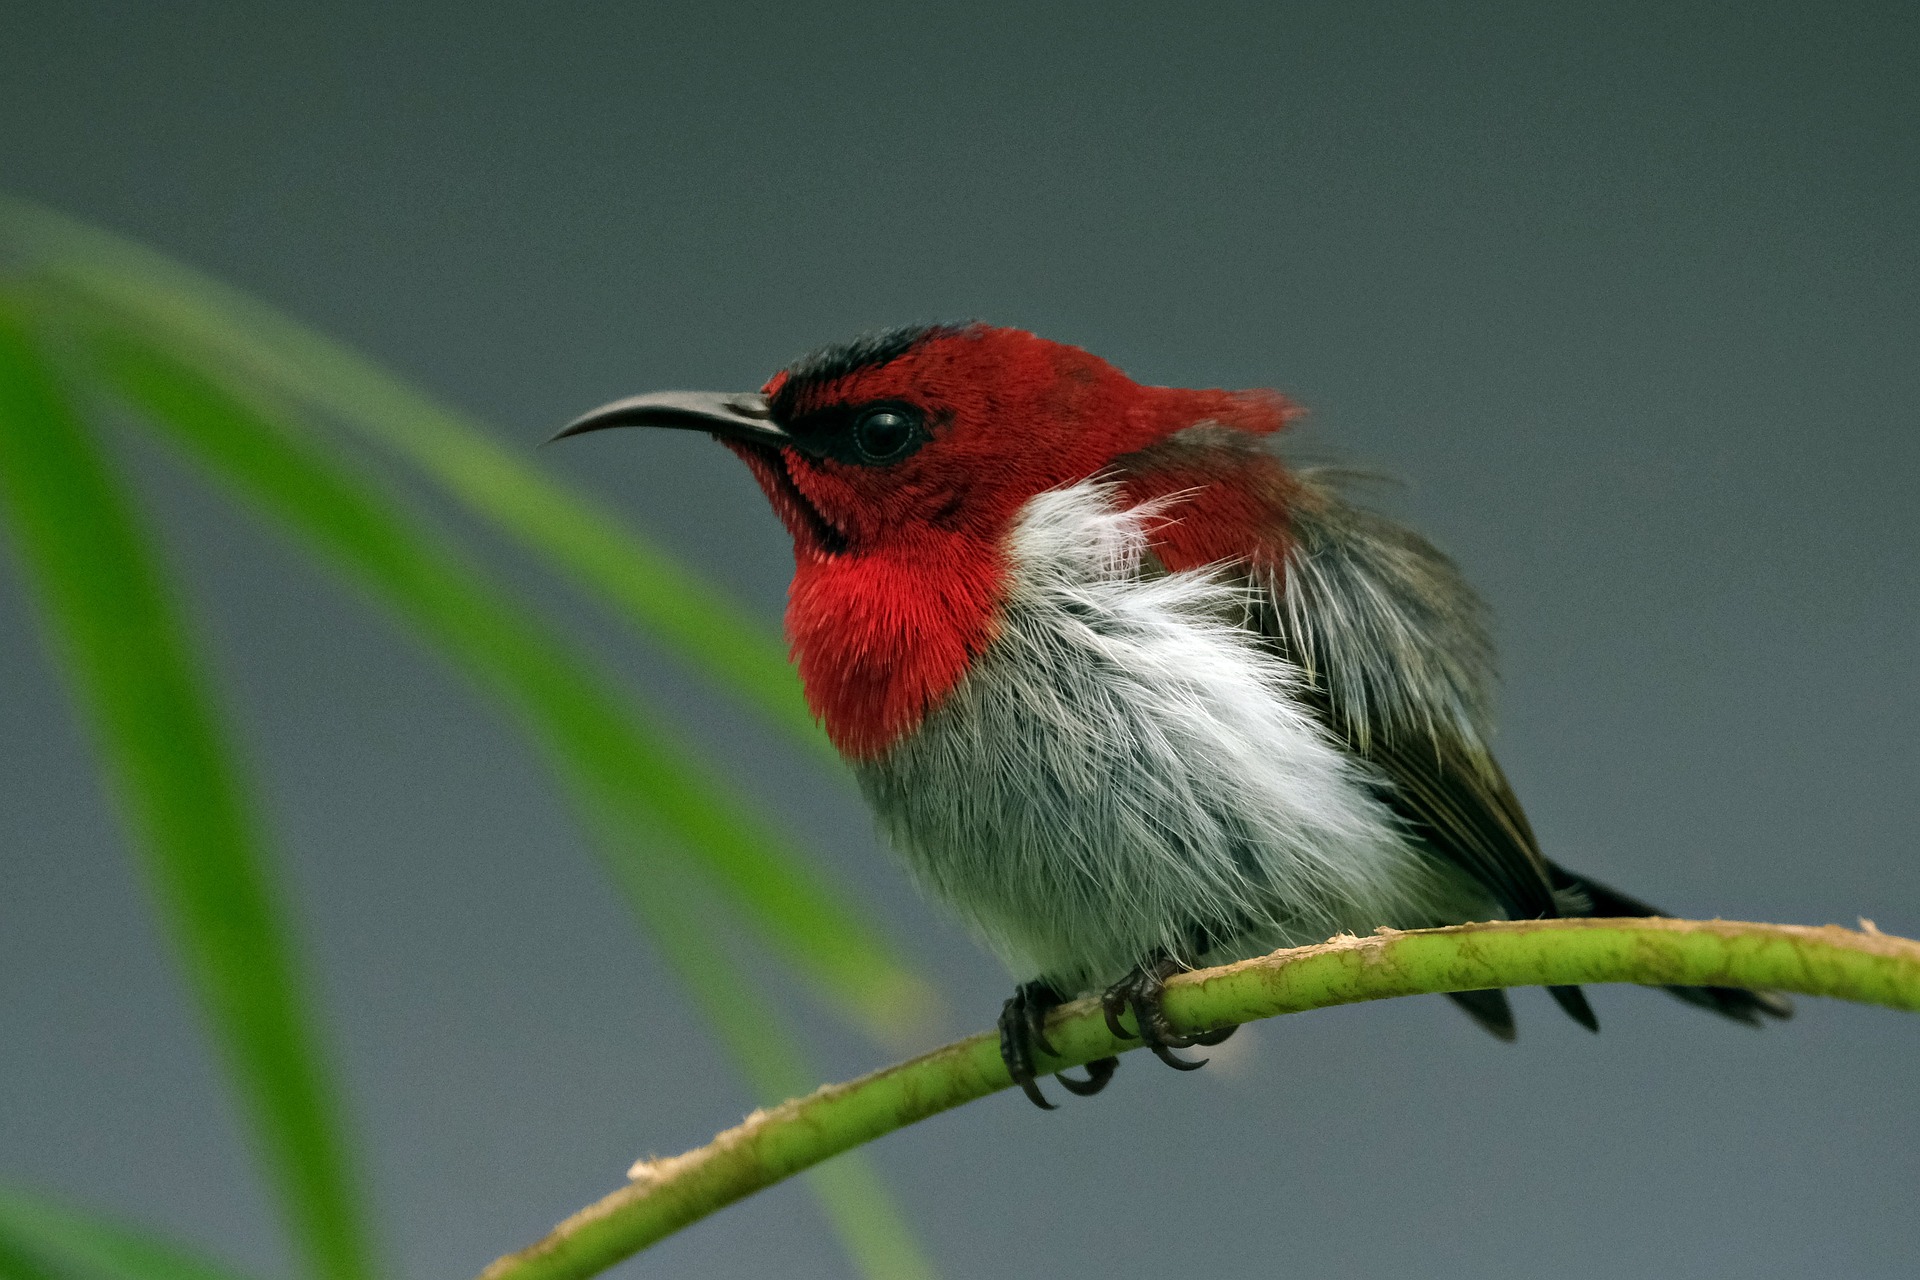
[880, 634]
[899, 572]
[880, 640]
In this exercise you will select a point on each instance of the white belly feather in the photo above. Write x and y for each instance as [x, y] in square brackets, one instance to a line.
[1127, 767]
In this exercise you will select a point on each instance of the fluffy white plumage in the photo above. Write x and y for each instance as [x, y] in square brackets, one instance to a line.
[1127, 770]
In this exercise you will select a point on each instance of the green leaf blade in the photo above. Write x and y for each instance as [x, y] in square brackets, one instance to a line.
[111, 619]
[856, 1201]
[615, 759]
[43, 1240]
[182, 343]
[592, 546]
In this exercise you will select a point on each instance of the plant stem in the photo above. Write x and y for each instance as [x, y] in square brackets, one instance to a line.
[668, 1194]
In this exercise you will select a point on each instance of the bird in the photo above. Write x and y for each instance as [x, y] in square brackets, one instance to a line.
[1124, 687]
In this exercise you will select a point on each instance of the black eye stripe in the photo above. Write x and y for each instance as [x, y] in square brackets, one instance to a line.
[868, 435]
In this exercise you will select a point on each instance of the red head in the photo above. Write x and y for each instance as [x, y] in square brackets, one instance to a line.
[900, 462]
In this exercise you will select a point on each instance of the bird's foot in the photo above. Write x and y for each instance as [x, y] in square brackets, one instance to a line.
[1023, 1029]
[1099, 1071]
[1142, 992]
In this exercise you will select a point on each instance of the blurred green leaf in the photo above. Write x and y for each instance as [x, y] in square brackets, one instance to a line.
[584, 540]
[857, 1202]
[42, 1240]
[215, 370]
[110, 617]
[612, 755]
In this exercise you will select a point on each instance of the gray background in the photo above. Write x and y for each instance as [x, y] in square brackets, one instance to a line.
[1627, 292]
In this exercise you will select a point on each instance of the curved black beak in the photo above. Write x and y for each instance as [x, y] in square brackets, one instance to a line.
[737, 415]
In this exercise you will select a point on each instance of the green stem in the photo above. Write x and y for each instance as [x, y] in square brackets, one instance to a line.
[666, 1195]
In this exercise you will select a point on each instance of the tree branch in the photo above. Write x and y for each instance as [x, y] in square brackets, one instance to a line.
[667, 1194]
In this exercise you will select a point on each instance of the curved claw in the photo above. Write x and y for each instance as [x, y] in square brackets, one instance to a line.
[1022, 1029]
[1142, 991]
[1174, 1060]
[1099, 1072]
[1036, 1097]
[1169, 1040]
[1035, 1012]
[1113, 1004]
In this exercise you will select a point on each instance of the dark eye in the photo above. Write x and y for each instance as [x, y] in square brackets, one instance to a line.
[886, 434]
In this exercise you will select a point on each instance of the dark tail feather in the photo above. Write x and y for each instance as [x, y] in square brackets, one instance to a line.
[1488, 1008]
[1491, 1010]
[1574, 1002]
[1750, 1007]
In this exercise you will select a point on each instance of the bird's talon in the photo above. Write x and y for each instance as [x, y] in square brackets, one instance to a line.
[1036, 1019]
[1142, 992]
[1036, 1097]
[1166, 1037]
[1023, 1021]
[1113, 1004]
[1174, 1060]
[1099, 1071]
